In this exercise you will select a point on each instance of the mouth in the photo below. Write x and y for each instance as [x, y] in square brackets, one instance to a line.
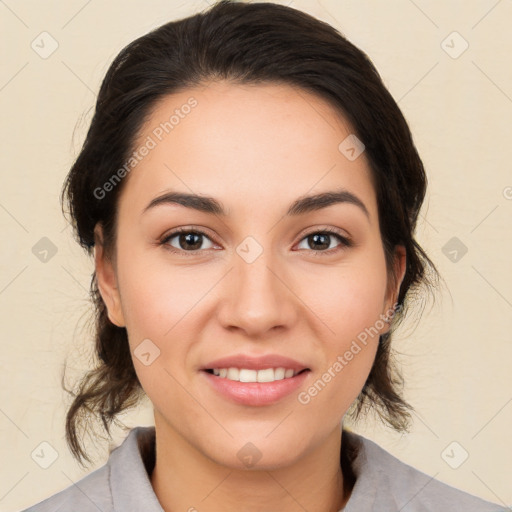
[252, 376]
[254, 387]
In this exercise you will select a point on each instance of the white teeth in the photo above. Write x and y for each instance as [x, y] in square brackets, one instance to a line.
[267, 375]
[279, 373]
[233, 374]
[246, 375]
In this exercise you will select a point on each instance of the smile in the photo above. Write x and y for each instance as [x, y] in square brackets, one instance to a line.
[251, 391]
[249, 375]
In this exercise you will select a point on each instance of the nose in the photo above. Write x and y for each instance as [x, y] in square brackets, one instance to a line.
[258, 297]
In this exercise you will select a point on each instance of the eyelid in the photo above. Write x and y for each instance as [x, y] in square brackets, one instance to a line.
[345, 240]
[327, 229]
[184, 229]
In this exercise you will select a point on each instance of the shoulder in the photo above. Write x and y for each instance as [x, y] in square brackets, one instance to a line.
[391, 485]
[91, 493]
[121, 484]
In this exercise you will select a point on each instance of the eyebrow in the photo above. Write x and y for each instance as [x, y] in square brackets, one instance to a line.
[300, 206]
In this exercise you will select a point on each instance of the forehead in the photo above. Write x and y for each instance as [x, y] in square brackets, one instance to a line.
[263, 144]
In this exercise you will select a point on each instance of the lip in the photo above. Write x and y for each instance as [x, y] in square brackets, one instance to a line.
[256, 363]
[255, 393]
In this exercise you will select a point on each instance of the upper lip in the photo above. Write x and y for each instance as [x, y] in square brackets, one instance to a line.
[256, 363]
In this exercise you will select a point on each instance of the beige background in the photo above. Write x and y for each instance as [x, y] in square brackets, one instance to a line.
[456, 361]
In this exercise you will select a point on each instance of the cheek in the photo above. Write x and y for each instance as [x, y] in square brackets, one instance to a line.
[348, 298]
[156, 295]
[348, 346]
[158, 306]
[169, 305]
[165, 304]
[348, 301]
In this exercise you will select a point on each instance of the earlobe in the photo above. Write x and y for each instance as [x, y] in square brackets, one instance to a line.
[107, 280]
[399, 269]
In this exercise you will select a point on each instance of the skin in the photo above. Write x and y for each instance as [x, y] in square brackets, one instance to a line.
[255, 149]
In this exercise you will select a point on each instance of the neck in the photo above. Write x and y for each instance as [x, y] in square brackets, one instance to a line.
[185, 479]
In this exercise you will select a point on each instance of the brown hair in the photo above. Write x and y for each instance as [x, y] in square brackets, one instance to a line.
[243, 43]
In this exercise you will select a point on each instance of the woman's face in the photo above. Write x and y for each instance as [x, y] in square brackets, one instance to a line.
[258, 281]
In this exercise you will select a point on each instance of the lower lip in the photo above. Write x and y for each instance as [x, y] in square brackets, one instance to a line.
[256, 393]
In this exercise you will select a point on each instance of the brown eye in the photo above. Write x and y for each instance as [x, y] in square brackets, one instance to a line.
[321, 241]
[186, 240]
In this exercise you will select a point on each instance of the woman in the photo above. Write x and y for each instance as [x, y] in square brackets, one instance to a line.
[250, 190]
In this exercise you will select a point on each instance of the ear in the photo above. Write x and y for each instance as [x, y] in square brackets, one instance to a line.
[107, 280]
[399, 267]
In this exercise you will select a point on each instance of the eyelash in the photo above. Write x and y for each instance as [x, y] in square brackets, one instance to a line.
[345, 242]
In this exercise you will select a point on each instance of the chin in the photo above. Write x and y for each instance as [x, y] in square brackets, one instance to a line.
[259, 451]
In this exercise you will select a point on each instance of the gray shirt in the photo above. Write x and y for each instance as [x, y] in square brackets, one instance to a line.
[382, 483]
